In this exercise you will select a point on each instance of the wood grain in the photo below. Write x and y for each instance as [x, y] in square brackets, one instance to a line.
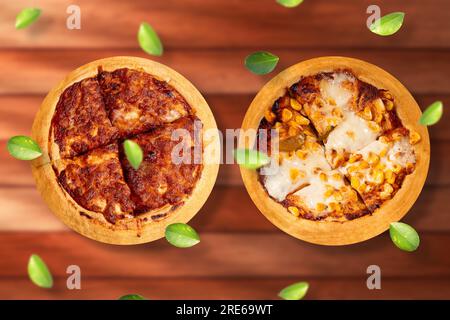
[227, 23]
[228, 209]
[230, 288]
[224, 255]
[220, 71]
[17, 112]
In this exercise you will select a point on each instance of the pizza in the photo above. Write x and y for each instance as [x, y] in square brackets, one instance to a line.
[92, 119]
[342, 149]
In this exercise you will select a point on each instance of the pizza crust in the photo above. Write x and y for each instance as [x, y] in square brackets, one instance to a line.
[147, 226]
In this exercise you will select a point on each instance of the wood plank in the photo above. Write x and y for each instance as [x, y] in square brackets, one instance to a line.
[17, 112]
[18, 173]
[219, 71]
[224, 255]
[227, 23]
[234, 288]
[228, 209]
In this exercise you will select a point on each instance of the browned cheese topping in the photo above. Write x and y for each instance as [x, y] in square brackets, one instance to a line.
[92, 119]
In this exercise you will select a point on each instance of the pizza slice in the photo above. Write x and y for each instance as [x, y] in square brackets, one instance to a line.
[326, 98]
[95, 180]
[327, 195]
[378, 170]
[170, 167]
[80, 122]
[136, 101]
[370, 117]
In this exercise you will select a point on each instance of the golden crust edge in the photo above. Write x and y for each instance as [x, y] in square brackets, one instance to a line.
[137, 230]
[368, 226]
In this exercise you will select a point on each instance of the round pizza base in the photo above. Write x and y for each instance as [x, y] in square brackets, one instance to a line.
[142, 228]
[368, 226]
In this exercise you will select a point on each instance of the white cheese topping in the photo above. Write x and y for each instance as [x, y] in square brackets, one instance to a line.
[351, 135]
[292, 173]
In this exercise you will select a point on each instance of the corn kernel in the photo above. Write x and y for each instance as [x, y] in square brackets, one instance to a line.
[352, 169]
[286, 115]
[390, 176]
[270, 116]
[378, 176]
[328, 193]
[384, 139]
[410, 167]
[363, 164]
[323, 177]
[321, 206]
[396, 168]
[293, 173]
[389, 105]
[379, 106]
[337, 112]
[336, 176]
[414, 137]
[354, 182]
[374, 126]
[295, 105]
[338, 196]
[301, 120]
[293, 131]
[383, 152]
[294, 211]
[387, 95]
[373, 158]
[354, 158]
[362, 188]
[367, 113]
[331, 101]
[333, 206]
[302, 154]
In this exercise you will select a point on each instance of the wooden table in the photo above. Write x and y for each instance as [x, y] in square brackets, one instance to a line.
[241, 256]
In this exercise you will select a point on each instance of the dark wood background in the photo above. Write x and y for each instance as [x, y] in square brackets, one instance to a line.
[241, 256]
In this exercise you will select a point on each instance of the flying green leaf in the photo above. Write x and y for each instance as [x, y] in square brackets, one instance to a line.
[251, 159]
[149, 40]
[23, 148]
[39, 273]
[404, 236]
[261, 62]
[295, 291]
[26, 17]
[182, 235]
[388, 24]
[432, 114]
[134, 153]
[132, 297]
[289, 3]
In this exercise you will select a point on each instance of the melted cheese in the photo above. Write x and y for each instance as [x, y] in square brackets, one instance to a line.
[338, 89]
[351, 135]
[280, 180]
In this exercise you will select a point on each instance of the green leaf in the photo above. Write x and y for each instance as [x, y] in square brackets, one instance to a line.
[149, 40]
[251, 159]
[404, 236]
[132, 297]
[432, 114]
[23, 148]
[295, 291]
[134, 153]
[39, 273]
[289, 3]
[389, 24]
[261, 62]
[26, 17]
[181, 235]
